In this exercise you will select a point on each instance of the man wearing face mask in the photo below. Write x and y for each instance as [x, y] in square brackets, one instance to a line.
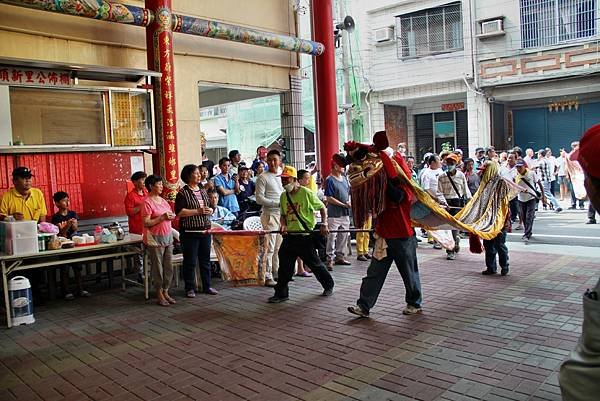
[298, 207]
[453, 192]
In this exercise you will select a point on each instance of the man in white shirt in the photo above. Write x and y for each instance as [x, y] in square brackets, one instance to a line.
[429, 176]
[268, 192]
[531, 192]
[453, 192]
[509, 172]
[553, 164]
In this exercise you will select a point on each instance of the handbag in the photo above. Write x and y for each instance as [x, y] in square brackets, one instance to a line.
[316, 237]
[461, 198]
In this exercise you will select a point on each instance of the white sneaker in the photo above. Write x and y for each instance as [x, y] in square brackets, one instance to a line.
[411, 310]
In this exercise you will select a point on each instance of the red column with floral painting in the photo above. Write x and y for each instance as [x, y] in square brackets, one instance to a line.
[159, 41]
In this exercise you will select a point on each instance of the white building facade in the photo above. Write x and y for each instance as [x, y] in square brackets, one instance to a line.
[479, 73]
[420, 70]
[539, 68]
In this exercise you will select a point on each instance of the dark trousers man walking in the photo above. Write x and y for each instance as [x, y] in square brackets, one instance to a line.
[299, 246]
[527, 216]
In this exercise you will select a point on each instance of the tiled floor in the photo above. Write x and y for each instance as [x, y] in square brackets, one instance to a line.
[488, 338]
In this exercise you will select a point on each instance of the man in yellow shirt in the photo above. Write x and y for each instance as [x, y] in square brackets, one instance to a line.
[23, 202]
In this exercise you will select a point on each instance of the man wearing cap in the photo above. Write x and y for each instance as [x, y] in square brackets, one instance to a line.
[22, 201]
[479, 157]
[453, 192]
[531, 192]
[579, 376]
[298, 207]
[337, 191]
[490, 153]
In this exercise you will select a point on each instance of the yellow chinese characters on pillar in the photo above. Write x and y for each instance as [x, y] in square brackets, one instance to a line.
[169, 109]
[170, 136]
[173, 174]
[171, 148]
[167, 67]
[166, 41]
[172, 161]
[168, 95]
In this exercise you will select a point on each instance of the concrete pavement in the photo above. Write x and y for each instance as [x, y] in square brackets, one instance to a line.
[479, 338]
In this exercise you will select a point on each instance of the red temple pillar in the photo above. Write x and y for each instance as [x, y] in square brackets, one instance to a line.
[325, 85]
[159, 45]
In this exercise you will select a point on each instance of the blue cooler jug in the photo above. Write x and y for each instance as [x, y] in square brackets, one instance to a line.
[21, 301]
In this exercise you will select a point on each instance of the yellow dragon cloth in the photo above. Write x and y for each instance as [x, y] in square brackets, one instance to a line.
[371, 169]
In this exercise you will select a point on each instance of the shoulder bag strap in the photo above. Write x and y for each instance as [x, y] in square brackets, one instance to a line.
[289, 199]
[454, 186]
[528, 184]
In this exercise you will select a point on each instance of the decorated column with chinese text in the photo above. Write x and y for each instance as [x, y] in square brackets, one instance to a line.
[159, 42]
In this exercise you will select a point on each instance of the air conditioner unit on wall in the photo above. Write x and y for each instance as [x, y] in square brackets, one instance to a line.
[492, 27]
[384, 34]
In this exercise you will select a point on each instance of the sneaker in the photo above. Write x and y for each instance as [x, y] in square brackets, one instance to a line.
[451, 256]
[591, 221]
[504, 271]
[211, 291]
[358, 311]
[437, 246]
[85, 294]
[328, 292]
[419, 239]
[69, 297]
[304, 274]
[342, 262]
[270, 283]
[572, 207]
[558, 210]
[276, 300]
[368, 256]
[519, 227]
[581, 207]
[330, 266]
[362, 258]
[411, 310]
[488, 272]
[191, 294]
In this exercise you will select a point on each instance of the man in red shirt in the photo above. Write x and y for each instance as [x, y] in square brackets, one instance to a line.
[133, 207]
[395, 242]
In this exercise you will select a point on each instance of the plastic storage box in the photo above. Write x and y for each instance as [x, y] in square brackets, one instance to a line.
[18, 237]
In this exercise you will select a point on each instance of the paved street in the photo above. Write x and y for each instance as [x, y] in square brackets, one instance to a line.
[565, 228]
[479, 338]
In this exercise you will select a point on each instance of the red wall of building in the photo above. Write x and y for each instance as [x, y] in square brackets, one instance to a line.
[96, 182]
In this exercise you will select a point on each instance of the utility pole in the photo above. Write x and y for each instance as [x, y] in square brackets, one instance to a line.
[346, 94]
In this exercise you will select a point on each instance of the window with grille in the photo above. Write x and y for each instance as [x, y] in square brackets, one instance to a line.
[431, 31]
[550, 22]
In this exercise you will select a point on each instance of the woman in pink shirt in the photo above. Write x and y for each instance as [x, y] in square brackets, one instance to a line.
[158, 238]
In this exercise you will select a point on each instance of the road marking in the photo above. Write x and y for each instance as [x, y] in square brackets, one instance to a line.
[554, 236]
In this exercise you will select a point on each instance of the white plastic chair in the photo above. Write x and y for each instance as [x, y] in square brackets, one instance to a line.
[253, 224]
